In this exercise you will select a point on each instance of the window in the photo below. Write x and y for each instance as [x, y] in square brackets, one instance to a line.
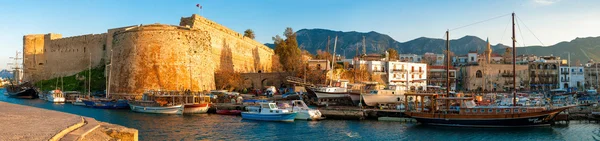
[490, 110]
[412, 69]
[498, 111]
[580, 70]
[506, 111]
[516, 110]
[572, 70]
[478, 74]
[524, 110]
[472, 59]
[420, 76]
[413, 76]
[467, 110]
[482, 110]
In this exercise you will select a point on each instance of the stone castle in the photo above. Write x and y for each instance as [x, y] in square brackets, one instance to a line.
[145, 57]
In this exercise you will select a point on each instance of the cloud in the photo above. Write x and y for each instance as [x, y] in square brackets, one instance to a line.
[544, 2]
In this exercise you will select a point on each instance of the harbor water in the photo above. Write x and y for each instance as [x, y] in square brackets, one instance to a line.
[219, 127]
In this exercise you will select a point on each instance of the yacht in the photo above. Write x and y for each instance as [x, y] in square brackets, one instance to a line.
[56, 96]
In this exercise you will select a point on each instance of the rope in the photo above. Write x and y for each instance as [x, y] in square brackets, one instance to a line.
[530, 31]
[480, 22]
[521, 33]
[504, 33]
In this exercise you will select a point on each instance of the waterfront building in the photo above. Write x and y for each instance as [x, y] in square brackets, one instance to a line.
[436, 76]
[544, 73]
[410, 58]
[407, 75]
[591, 71]
[319, 65]
[494, 77]
[572, 78]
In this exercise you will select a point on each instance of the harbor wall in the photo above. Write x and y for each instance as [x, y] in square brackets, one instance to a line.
[154, 56]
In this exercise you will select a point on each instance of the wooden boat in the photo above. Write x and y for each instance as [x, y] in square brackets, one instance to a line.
[56, 96]
[155, 107]
[461, 111]
[376, 97]
[21, 91]
[269, 112]
[104, 103]
[78, 102]
[304, 112]
[229, 112]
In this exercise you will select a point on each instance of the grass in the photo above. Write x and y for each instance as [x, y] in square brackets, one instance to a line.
[71, 83]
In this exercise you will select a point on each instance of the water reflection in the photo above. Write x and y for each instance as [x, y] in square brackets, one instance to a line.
[218, 127]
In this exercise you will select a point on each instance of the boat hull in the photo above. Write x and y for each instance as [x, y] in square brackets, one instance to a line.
[56, 99]
[322, 95]
[119, 104]
[195, 108]
[177, 109]
[306, 115]
[373, 100]
[269, 117]
[25, 94]
[501, 120]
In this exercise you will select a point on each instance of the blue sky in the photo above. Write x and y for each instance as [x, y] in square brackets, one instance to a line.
[552, 21]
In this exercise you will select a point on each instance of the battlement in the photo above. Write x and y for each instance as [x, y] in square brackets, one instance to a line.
[199, 22]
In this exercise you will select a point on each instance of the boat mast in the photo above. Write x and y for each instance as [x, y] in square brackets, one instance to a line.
[109, 71]
[447, 63]
[90, 76]
[333, 60]
[514, 40]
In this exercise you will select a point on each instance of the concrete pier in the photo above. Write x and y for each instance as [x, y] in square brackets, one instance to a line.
[20, 122]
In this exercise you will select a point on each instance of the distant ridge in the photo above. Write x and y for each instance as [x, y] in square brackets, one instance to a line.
[315, 39]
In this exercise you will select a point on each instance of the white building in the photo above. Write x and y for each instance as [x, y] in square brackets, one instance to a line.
[571, 77]
[407, 75]
[410, 58]
[376, 67]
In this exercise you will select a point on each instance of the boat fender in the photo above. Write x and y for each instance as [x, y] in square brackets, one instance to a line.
[144, 108]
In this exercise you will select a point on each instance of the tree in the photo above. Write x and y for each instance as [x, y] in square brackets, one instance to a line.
[249, 33]
[287, 49]
[393, 54]
[228, 80]
[508, 56]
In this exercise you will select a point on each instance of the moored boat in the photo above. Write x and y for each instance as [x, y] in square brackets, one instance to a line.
[462, 111]
[304, 112]
[56, 96]
[78, 102]
[25, 91]
[155, 107]
[106, 103]
[385, 96]
[269, 112]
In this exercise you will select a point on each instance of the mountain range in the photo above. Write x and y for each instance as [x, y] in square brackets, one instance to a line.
[582, 49]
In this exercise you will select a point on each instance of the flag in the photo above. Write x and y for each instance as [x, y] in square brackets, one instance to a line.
[199, 6]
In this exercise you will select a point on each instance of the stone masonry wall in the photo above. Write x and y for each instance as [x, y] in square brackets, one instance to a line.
[152, 56]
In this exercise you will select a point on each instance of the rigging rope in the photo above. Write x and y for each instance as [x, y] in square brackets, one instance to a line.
[480, 22]
[521, 33]
[530, 31]
[504, 33]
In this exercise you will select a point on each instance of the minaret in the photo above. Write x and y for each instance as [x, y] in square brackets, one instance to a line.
[488, 51]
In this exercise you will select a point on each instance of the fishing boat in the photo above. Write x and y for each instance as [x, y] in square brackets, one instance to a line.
[56, 96]
[269, 112]
[197, 105]
[155, 107]
[304, 112]
[79, 102]
[438, 109]
[104, 103]
[385, 96]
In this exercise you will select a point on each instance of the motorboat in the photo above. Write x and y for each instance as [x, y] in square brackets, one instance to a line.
[56, 96]
[155, 107]
[197, 105]
[385, 96]
[304, 112]
[104, 103]
[78, 101]
[269, 112]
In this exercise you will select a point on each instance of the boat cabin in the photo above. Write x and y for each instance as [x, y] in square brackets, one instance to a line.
[267, 108]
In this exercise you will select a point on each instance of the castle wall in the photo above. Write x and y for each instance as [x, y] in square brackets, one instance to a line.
[68, 56]
[33, 56]
[153, 56]
[160, 57]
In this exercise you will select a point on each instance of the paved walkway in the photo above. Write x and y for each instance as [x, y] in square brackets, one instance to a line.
[18, 122]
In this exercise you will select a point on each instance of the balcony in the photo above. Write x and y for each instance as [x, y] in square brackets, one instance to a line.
[417, 71]
[507, 75]
[399, 70]
[564, 72]
[564, 80]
